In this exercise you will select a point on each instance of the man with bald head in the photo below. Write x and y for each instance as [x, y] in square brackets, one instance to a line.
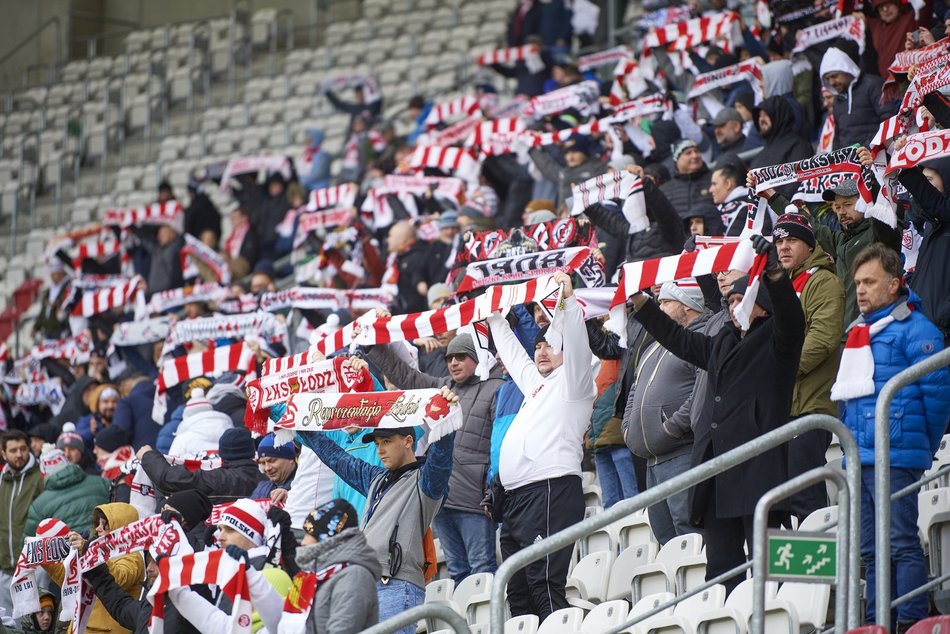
[406, 268]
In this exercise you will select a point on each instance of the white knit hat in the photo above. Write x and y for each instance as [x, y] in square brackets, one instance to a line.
[246, 517]
[197, 404]
[53, 461]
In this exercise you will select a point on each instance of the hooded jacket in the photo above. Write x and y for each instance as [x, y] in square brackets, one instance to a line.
[470, 458]
[656, 421]
[858, 112]
[918, 413]
[70, 496]
[782, 143]
[17, 492]
[28, 622]
[235, 479]
[128, 570]
[823, 303]
[346, 602]
[199, 432]
[319, 174]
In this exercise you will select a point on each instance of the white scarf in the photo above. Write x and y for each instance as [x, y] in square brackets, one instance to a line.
[856, 370]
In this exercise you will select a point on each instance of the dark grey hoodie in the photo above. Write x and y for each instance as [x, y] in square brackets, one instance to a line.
[346, 602]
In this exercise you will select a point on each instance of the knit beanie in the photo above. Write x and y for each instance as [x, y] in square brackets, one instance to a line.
[203, 382]
[111, 438]
[539, 338]
[436, 292]
[794, 226]
[681, 146]
[194, 506]
[246, 517]
[267, 448]
[197, 404]
[462, 344]
[52, 527]
[53, 461]
[46, 601]
[236, 444]
[69, 438]
[687, 292]
[330, 519]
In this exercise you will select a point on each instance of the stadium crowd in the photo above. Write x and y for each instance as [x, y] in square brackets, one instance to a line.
[649, 256]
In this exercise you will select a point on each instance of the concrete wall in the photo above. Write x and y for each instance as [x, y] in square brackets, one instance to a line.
[19, 18]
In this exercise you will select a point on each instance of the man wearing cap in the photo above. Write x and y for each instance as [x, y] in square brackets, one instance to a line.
[402, 498]
[580, 164]
[656, 422]
[751, 376]
[540, 457]
[730, 140]
[441, 252]
[467, 536]
[279, 464]
[688, 186]
[856, 233]
[237, 477]
[822, 297]
[52, 322]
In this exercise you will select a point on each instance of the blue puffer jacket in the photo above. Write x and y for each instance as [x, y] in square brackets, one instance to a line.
[508, 400]
[919, 412]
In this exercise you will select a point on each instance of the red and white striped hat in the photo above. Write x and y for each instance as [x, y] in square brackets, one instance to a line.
[246, 517]
[51, 527]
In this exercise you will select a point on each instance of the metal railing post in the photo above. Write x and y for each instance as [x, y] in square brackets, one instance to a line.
[440, 611]
[842, 535]
[682, 482]
[882, 478]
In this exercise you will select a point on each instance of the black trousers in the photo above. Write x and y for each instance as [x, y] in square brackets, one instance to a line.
[532, 513]
[806, 452]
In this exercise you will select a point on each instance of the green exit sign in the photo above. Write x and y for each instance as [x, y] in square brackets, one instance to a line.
[797, 556]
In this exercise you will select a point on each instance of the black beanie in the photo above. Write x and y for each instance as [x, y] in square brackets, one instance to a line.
[762, 297]
[330, 519]
[236, 444]
[539, 338]
[194, 506]
[111, 438]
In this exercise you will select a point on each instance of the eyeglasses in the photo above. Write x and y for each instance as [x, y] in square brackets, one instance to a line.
[459, 356]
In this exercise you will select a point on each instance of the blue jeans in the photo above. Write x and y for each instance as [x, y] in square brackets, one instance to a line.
[670, 518]
[618, 481]
[396, 597]
[468, 541]
[908, 570]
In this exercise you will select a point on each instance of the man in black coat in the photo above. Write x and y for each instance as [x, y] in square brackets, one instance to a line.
[408, 270]
[751, 378]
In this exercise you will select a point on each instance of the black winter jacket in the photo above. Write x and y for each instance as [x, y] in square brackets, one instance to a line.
[687, 192]
[233, 480]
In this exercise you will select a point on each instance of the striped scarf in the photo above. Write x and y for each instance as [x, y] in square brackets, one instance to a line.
[622, 185]
[849, 27]
[94, 302]
[337, 196]
[299, 599]
[530, 54]
[856, 371]
[465, 105]
[683, 36]
[214, 361]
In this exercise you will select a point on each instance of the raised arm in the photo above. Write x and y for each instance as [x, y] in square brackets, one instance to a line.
[435, 472]
[932, 203]
[577, 354]
[169, 478]
[400, 373]
[355, 472]
[690, 346]
[520, 366]
[667, 220]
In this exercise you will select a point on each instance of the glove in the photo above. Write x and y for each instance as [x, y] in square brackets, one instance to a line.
[280, 517]
[169, 515]
[766, 248]
[238, 554]
[690, 245]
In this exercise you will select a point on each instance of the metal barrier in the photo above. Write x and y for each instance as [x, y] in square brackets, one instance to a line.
[440, 611]
[683, 481]
[882, 478]
[844, 535]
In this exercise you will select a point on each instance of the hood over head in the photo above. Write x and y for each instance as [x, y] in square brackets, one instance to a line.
[118, 514]
[837, 61]
[665, 134]
[349, 546]
[781, 114]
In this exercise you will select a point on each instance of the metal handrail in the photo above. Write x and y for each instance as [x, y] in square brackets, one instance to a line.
[440, 611]
[847, 540]
[26, 40]
[882, 476]
[690, 478]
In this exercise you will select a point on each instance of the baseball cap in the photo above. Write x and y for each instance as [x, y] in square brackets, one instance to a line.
[847, 188]
[726, 115]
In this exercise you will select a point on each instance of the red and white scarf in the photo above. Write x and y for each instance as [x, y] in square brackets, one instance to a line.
[456, 133]
[856, 370]
[94, 302]
[843, 161]
[850, 27]
[214, 518]
[300, 597]
[324, 219]
[802, 279]
[100, 249]
[311, 298]
[50, 545]
[212, 362]
[602, 58]
[466, 105]
[201, 252]
[450, 159]
[743, 312]
[582, 96]
[337, 196]
[530, 54]
[170, 212]
[749, 70]
[930, 76]
[827, 137]
[136, 333]
[204, 568]
[289, 375]
[76, 349]
[924, 146]
[247, 164]
[232, 246]
[175, 298]
[486, 132]
[526, 266]
[683, 36]
[622, 185]
[367, 83]
[225, 326]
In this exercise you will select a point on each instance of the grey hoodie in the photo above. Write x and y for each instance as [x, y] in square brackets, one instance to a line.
[346, 602]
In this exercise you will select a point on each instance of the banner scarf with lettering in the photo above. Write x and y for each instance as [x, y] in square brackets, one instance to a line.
[465, 105]
[582, 97]
[622, 185]
[203, 254]
[373, 410]
[638, 276]
[248, 164]
[289, 375]
[850, 27]
[924, 146]
[602, 58]
[749, 70]
[375, 330]
[137, 333]
[45, 392]
[553, 234]
[50, 545]
[530, 265]
[214, 361]
[530, 54]
[310, 221]
[203, 568]
[297, 604]
[312, 298]
[336, 196]
[931, 76]
[76, 349]
[904, 61]
[225, 326]
[170, 212]
[683, 36]
[175, 298]
[780, 9]
[91, 303]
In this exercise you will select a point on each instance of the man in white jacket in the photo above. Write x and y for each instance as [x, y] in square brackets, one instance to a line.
[540, 463]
